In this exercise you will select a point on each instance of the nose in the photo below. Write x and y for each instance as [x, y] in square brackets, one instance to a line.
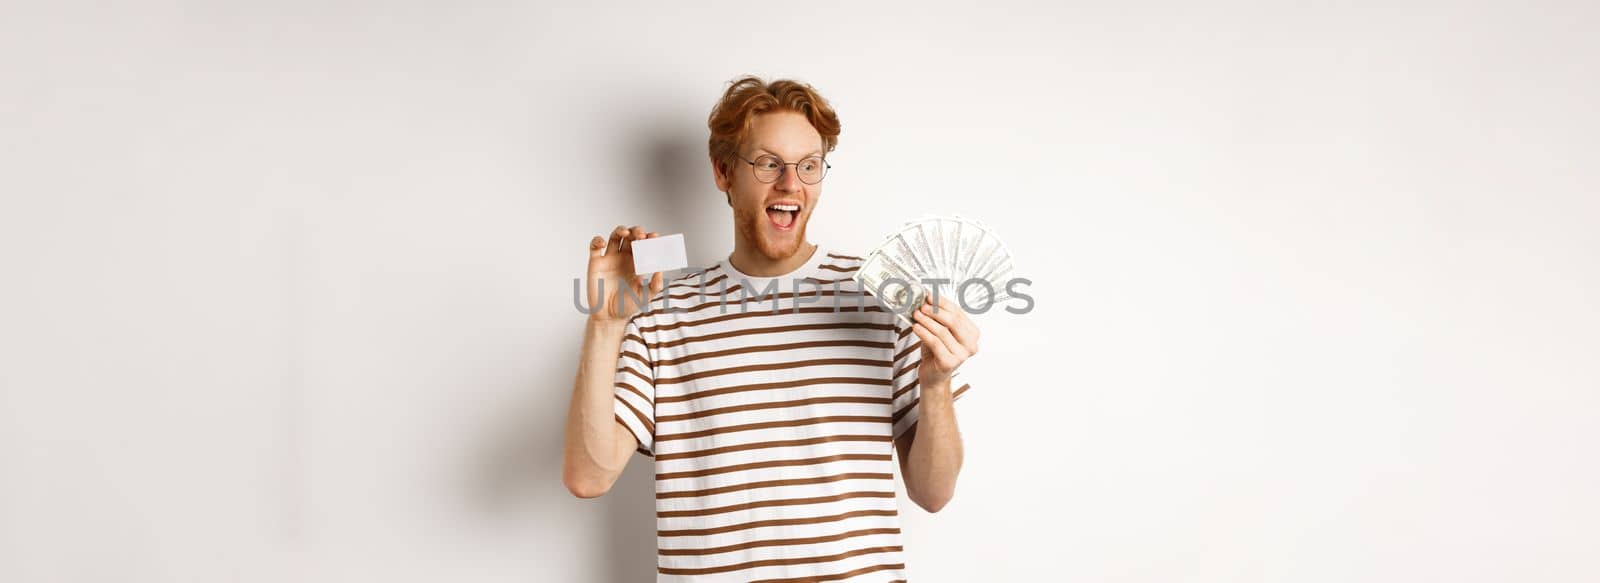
[789, 181]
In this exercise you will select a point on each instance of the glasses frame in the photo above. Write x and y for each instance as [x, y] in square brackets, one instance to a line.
[825, 167]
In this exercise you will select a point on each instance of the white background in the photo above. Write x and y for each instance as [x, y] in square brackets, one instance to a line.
[287, 285]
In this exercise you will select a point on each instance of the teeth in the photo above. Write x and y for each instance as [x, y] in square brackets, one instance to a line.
[785, 207]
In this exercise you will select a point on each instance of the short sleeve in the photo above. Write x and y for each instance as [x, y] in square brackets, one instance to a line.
[635, 389]
[907, 389]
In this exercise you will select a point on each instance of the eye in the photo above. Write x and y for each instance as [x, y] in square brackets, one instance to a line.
[810, 165]
[768, 163]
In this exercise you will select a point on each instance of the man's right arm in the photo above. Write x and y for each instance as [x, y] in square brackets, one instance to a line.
[596, 446]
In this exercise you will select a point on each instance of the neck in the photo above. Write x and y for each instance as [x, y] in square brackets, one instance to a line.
[749, 260]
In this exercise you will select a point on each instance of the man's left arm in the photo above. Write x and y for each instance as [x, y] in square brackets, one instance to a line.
[930, 451]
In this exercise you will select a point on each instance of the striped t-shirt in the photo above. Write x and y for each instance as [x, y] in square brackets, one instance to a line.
[772, 433]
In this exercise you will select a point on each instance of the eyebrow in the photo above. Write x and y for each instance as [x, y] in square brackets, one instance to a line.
[770, 151]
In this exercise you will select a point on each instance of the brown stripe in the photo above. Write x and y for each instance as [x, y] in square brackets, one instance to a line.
[774, 484]
[636, 356]
[773, 405]
[837, 256]
[775, 385]
[634, 391]
[695, 281]
[779, 562]
[645, 421]
[830, 281]
[769, 444]
[635, 373]
[839, 268]
[640, 445]
[909, 349]
[702, 291]
[635, 338]
[775, 522]
[773, 424]
[722, 298]
[773, 330]
[902, 390]
[774, 348]
[774, 464]
[779, 542]
[722, 301]
[693, 278]
[773, 366]
[771, 503]
[865, 307]
[910, 366]
[907, 409]
[840, 576]
[906, 332]
[695, 289]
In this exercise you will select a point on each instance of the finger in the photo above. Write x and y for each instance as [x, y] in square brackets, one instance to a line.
[635, 233]
[652, 235]
[965, 328]
[638, 285]
[631, 299]
[946, 304]
[955, 348]
[597, 246]
[615, 244]
[931, 343]
[939, 311]
[956, 321]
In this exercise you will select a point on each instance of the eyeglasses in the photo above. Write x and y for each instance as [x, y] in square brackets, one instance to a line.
[768, 168]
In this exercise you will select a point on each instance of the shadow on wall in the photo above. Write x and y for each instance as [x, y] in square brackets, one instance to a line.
[677, 196]
[630, 542]
[519, 479]
[674, 193]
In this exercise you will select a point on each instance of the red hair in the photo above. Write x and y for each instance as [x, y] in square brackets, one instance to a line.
[748, 96]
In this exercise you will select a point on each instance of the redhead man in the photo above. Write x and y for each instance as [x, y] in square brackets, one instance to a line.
[770, 394]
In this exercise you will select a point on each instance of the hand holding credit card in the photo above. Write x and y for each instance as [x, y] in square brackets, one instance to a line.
[664, 253]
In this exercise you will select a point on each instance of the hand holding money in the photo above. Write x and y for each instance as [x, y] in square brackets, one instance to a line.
[942, 257]
[948, 337]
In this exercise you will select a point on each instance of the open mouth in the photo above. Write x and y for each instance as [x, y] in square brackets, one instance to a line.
[783, 215]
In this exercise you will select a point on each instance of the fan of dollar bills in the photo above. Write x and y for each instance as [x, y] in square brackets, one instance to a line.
[951, 254]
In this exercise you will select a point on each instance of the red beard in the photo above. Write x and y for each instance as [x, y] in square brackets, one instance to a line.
[754, 227]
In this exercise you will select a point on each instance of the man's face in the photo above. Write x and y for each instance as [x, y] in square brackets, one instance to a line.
[762, 212]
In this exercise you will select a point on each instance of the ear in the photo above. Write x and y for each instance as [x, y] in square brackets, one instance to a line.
[719, 173]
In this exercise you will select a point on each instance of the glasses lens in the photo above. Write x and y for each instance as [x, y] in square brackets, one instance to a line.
[767, 168]
[811, 170]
